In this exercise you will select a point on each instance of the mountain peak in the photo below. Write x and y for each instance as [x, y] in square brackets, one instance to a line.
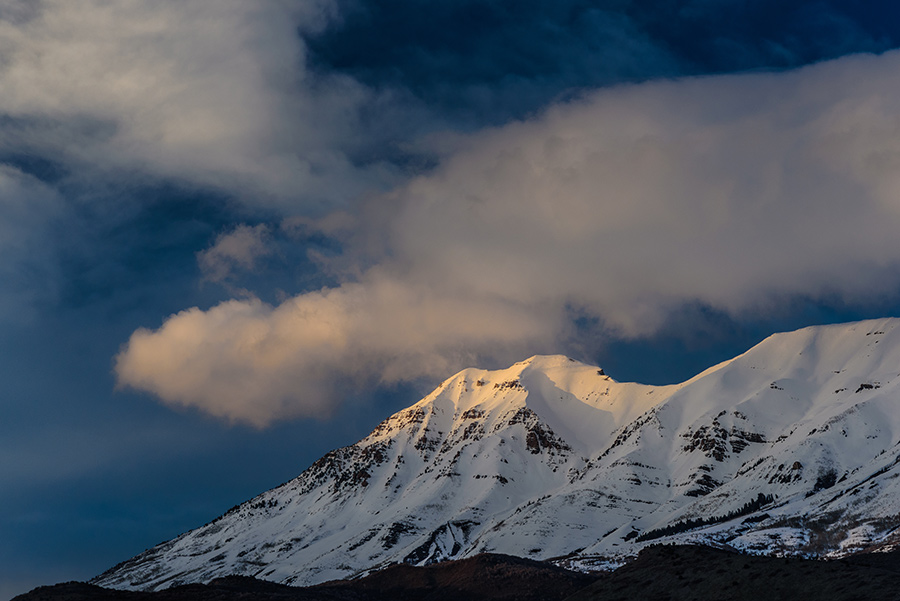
[544, 363]
[551, 458]
[550, 362]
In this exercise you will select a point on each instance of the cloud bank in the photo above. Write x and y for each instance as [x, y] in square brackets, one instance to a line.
[734, 192]
[114, 112]
[729, 191]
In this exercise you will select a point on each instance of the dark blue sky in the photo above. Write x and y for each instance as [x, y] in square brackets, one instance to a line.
[337, 187]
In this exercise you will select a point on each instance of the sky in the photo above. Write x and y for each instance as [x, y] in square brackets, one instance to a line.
[236, 235]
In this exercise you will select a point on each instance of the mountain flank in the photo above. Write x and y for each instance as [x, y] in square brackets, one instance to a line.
[791, 449]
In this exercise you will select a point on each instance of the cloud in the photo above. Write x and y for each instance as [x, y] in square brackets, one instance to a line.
[216, 95]
[239, 248]
[732, 192]
[29, 212]
[248, 361]
[729, 191]
[161, 119]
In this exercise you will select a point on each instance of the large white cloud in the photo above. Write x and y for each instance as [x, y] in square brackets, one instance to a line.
[733, 192]
[213, 93]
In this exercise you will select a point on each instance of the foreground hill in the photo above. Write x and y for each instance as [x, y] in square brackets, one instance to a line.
[486, 577]
[792, 448]
[685, 573]
[674, 573]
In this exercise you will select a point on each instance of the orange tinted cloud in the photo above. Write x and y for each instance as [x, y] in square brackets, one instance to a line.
[732, 192]
[248, 361]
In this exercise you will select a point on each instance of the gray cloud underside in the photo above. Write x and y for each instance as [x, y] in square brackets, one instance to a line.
[729, 191]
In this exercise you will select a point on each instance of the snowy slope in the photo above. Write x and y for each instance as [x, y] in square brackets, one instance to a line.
[792, 447]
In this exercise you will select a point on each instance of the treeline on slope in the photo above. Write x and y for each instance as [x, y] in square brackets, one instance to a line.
[672, 572]
[485, 577]
[749, 507]
[690, 573]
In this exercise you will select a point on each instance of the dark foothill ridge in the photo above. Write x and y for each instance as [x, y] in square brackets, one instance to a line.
[660, 572]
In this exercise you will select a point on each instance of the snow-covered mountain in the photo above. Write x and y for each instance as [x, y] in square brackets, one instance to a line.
[792, 447]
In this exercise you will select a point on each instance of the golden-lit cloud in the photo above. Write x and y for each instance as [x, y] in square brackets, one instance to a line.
[247, 361]
[731, 192]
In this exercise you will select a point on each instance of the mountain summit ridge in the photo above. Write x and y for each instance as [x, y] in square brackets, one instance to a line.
[792, 447]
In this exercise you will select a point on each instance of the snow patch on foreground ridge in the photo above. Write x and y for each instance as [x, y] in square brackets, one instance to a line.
[791, 448]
